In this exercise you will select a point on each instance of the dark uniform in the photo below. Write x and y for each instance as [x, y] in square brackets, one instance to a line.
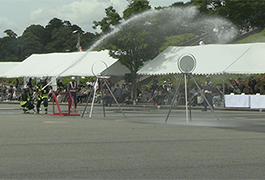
[25, 102]
[208, 88]
[42, 95]
[72, 86]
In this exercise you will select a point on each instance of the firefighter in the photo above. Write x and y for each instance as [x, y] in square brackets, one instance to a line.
[42, 95]
[25, 102]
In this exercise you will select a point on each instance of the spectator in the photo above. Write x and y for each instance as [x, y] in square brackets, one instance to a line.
[4, 93]
[169, 85]
[80, 94]
[236, 90]
[231, 85]
[17, 84]
[60, 86]
[146, 94]
[241, 85]
[262, 89]
[164, 84]
[29, 84]
[154, 85]
[117, 93]
[194, 97]
[257, 90]
[106, 84]
[10, 93]
[208, 87]
[247, 90]
[89, 82]
[107, 98]
[125, 93]
[251, 83]
[164, 95]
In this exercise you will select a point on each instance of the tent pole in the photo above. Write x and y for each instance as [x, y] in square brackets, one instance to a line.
[189, 97]
[186, 98]
[223, 96]
[102, 97]
[2, 89]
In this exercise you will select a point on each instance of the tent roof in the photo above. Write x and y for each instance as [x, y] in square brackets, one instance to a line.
[6, 66]
[251, 62]
[62, 64]
[210, 59]
[116, 69]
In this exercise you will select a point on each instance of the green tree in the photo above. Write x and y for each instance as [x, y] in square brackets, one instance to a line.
[133, 46]
[112, 18]
[10, 33]
[9, 47]
[62, 40]
[241, 13]
[32, 41]
[29, 44]
[136, 7]
[253, 12]
[175, 40]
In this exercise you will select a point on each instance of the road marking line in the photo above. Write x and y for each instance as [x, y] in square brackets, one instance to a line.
[240, 118]
[54, 122]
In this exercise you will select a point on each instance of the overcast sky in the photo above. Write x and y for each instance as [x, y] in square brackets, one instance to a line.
[17, 15]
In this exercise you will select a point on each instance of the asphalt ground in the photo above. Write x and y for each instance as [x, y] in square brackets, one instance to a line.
[138, 146]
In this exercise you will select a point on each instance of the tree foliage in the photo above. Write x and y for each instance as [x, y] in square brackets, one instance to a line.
[241, 13]
[136, 7]
[112, 18]
[56, 36]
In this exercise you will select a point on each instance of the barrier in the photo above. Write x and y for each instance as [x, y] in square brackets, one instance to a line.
[70, 101]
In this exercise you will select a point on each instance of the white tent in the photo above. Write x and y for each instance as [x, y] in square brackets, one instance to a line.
[116, 69]
[62, 64]
[251, 62]
[6, 66]
[210, 59]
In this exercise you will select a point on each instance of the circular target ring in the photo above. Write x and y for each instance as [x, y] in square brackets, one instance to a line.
[186, 63]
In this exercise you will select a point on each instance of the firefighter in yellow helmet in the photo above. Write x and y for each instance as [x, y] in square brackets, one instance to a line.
[42, 90]
[25, 102]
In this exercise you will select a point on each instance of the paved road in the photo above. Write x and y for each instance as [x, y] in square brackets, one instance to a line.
[140, 146]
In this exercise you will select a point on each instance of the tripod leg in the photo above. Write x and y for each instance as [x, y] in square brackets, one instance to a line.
[85, 108]
[93, 100]
[204, 97]
[88, 96]
[115, 99]
[102, 95]
[173, 100]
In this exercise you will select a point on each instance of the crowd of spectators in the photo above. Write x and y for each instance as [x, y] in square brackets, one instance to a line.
[156, 94]
[104, 92]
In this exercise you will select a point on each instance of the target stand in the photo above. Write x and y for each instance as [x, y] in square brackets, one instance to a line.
[60, 112]
[100, 77]
[187, 64]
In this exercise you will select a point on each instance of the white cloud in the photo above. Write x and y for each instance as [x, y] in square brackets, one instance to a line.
[7, 24]
[82, 13]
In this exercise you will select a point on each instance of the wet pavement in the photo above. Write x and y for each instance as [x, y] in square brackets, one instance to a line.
[139, 145]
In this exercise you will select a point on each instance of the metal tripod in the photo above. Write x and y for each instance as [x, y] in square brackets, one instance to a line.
[98, 81]
[186, 98]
